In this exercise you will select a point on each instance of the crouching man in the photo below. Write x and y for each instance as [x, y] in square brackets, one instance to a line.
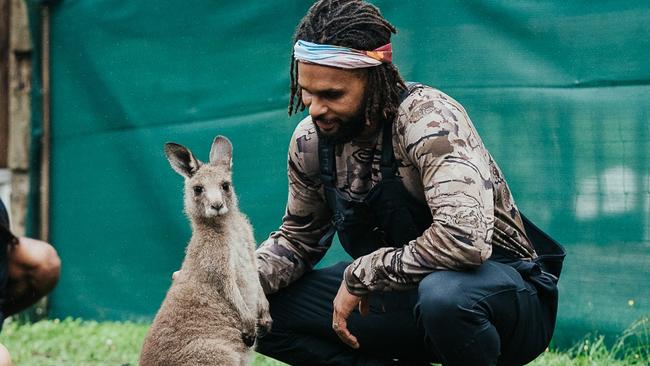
[444, 268]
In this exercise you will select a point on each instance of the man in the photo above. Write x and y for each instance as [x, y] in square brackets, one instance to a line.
[444, 270]
[29, 269]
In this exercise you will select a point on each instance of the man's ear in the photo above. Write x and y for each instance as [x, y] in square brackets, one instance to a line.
[221, 151]
[181, 159]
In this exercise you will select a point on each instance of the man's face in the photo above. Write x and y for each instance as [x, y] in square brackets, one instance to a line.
[335, 98]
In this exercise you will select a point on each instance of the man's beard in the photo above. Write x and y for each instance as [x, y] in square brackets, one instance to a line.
[347, 129]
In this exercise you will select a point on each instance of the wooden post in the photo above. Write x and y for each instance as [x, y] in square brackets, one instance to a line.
[20, 87]
[19, 115]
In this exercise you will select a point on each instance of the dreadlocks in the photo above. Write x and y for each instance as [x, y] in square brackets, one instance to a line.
[359, 25]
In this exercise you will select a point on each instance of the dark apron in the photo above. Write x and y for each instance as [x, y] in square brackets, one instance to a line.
[389, 216]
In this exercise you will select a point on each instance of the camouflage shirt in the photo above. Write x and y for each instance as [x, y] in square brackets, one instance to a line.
[442, 162]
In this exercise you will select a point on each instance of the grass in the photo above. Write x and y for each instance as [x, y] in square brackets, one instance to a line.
[87, 343]
[74, 342]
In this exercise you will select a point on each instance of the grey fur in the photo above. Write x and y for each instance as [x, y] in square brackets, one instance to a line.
[217, 300]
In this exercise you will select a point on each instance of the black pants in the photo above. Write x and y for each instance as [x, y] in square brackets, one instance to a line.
[488, 316]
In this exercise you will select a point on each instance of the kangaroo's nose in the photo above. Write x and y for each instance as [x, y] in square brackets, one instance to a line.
[217, 206]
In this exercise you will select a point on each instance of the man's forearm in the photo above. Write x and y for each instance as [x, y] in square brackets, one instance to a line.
[278, 266]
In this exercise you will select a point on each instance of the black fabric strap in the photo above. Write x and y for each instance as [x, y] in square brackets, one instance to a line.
[327, 171]
[326, 162]
[388, 164]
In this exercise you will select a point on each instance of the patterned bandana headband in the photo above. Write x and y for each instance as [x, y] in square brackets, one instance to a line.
[342, 57]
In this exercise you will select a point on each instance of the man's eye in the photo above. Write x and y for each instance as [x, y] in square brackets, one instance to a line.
[332, 95]
[197, 190]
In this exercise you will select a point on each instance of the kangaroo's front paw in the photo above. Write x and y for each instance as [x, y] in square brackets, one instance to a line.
[264, 323]
[249, 333]
[249, 339]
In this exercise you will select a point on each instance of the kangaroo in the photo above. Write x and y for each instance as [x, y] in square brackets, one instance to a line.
[216, 303]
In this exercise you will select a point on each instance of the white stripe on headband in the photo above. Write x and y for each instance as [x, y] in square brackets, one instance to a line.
[342, 57]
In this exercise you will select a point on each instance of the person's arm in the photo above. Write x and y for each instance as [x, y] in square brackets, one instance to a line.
[441, 142]
[33, 270]
[294, 249]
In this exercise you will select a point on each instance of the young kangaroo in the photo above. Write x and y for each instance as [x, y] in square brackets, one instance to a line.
[211, 311]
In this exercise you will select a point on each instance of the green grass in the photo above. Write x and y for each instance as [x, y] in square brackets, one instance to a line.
[88, 343]
[73, 342]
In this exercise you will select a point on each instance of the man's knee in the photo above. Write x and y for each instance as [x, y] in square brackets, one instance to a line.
[441, 299]
[272, 343]
[49, 268]
[457, 327]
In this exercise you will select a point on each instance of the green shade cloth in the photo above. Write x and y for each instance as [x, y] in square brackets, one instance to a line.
[558, 90]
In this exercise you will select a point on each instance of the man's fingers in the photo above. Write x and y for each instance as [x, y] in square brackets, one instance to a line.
[344, 303]
[340, 326]
[344, 334]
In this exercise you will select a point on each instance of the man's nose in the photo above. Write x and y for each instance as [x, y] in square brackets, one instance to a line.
[316, 108]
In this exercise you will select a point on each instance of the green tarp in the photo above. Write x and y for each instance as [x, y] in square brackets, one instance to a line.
[558, 90]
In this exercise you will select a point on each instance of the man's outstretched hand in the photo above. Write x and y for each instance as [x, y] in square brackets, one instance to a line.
[344, 304]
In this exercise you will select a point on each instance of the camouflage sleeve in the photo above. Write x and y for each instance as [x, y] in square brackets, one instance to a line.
[294, 249]
[439, 139]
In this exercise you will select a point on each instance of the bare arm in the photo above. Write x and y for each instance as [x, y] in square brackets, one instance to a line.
[34, 269]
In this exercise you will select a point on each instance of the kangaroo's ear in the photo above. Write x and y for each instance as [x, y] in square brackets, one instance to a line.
[221, 151]
[181, 159]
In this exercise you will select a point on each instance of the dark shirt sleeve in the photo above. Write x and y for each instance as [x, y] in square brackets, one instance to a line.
[297, 246]
[5, 238]
[4, 217]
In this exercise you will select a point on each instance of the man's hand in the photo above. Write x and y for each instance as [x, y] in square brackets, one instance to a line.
[344, 304]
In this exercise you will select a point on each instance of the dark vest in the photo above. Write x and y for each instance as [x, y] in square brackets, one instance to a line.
[387, 216]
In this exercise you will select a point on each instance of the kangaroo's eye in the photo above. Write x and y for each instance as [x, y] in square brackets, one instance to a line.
[225, 186]
[197, 190]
